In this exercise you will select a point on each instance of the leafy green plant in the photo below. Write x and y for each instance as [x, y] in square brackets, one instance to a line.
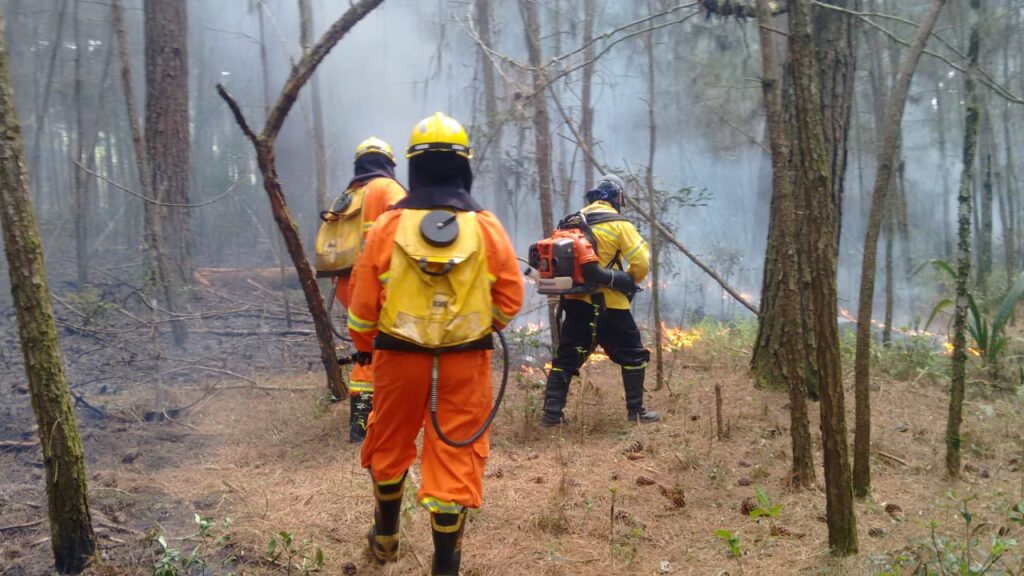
[733, 545]
[172, 563]
[732, 542]
[989, 336]
[304, 557]
[981, 549]
[764, 508]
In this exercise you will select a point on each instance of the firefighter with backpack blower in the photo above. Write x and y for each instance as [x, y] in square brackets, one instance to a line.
[372, 190]
[437, 278]
[593, 262]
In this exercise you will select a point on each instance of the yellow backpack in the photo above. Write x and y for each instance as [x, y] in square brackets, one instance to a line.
[340, 238]
[438, 296]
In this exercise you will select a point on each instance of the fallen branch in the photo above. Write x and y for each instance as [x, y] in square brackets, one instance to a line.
[895, 459]
[18, 445]
[20, 526]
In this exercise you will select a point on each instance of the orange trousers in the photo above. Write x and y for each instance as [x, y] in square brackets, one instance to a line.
[361, 379]
[452, 477]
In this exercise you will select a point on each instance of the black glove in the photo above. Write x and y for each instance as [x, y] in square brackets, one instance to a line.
[623, 282]
[363, 358]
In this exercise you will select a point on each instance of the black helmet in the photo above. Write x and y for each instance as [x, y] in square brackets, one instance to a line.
[610, 189]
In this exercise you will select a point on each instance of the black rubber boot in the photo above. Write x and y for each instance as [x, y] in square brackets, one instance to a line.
[633, 382]
[383, 537]
[359, 410]
[555, 393]
[447, 530]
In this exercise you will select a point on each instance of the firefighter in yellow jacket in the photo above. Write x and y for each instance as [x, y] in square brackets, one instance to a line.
[373, 185]
[604, 317]
[437, 276]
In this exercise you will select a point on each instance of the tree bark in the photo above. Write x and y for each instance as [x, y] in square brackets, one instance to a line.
[71, 535]
[652, 206]
[963, 259]
[541, 130]
[586, 94]
[152, 231]
[263, 143]
[167, 128]
[985, 232]
[492, 156]
[305, 30]
[947, 238]
[35, 159]
[319, 147]
[883, 183]
[835, 69]
[79, 203]
[816, 176]
[789, 329]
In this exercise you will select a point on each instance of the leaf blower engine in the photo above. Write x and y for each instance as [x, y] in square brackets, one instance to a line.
[567, 262]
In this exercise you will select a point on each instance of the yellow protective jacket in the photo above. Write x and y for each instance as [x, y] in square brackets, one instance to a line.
[617, 238]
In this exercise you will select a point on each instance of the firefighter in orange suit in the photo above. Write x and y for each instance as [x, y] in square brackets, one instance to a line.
[437, 276]
[374, 171]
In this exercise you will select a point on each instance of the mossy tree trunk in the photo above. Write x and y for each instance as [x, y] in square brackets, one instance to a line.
[963, 255]
[833, 53]
[71, 535]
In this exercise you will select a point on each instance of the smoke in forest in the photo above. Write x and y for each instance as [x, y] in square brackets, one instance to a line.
[413, 57]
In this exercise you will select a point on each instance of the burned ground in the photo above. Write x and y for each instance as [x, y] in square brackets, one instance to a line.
[598, 496]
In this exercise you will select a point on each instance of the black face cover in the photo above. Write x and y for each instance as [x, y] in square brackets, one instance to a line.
[372, 165]
[440, 179]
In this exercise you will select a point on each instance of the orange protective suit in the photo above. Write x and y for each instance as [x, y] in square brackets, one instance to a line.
[381, 194]
[452, 477]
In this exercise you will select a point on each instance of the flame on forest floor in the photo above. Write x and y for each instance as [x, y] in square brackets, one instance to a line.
[970, 349]
[678, 338]
[946, 343]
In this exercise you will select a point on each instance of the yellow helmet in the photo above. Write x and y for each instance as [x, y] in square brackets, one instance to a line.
[439, 133]
[374, 144]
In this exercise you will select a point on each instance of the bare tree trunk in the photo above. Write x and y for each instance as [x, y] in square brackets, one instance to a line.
[883, 184]
[947, 239]
[167, 128]
[963, 259]
[542, 135]
[834, 59]
[586, 96]
[71, 535]
[792, 355]
[151, 226]
[493, 156]
[319, 148]
[985, 232]
[263, 143]
[996, 183]
[79, 204]
[822, 236]
[306, 29]
[889, 245]
[652, 206]
[35, 159]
